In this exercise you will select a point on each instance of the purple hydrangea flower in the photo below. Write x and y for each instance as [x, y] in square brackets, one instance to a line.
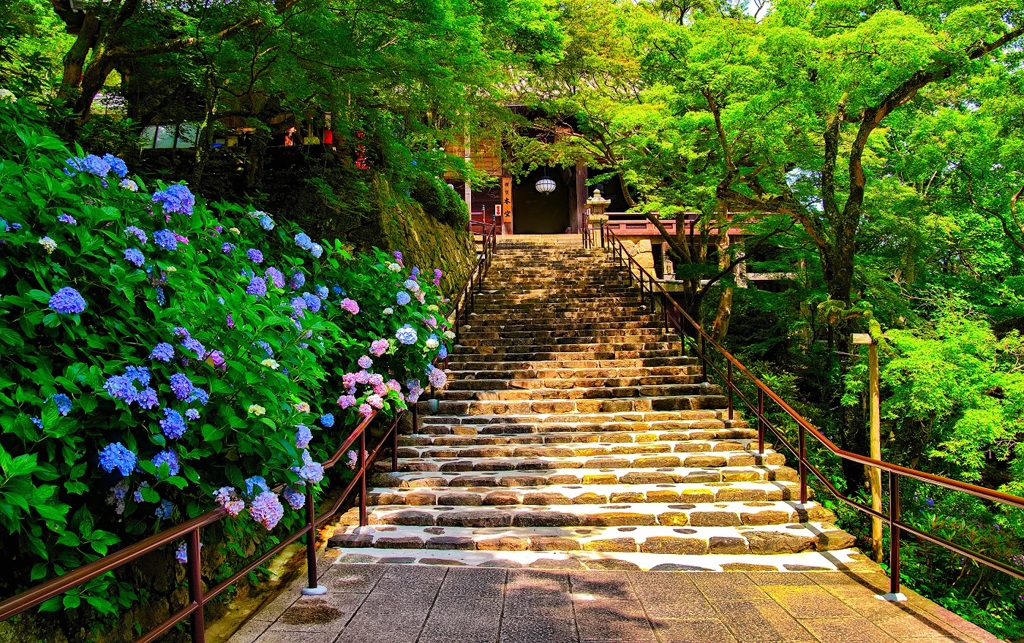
[162, 352]
[67, 301]
[176, 198]
[402, 298]
[134, 256]
[170, 458]
[68, 219]
[192, 414]
[312, 301]
[266, 509]
[147, 398]
[365, 362]
[194, 345]
[138, 233]
[227, 497]
[181, 553]
[218, 360]
[442, 352]
[345, 401]
[257, 286]
[181, 385]
[310, 471]
[398, 257]
[266, 347]
[165, 239]
[63, 403]
[275, 276]
[173, 425]
[254, 255]
[303, 436]
[296, 499]
[117, 456]
[298, 280]
[406, 335]
[437, 276]
[438, 378]
[227, 248]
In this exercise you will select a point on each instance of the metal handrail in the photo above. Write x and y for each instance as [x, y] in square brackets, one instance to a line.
[465, 298]
[674, 315]
[190, 530]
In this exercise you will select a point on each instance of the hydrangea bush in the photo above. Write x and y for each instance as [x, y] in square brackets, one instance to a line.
[162, 356]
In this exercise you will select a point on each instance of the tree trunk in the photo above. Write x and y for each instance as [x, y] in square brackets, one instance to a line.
[721, 325]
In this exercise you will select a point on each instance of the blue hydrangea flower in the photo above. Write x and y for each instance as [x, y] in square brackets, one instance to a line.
[310, 471]
[303, 436]
[266, 509]
[165, 239]
[68, 219]
[327, 419]
[162, 352]
[92, 164]
[298, 280]
[170, 458]
[161, 298]
[138, 374]
[194, 345]
[406, 334]
[63, 403]
[173, 425]
[295, 499]
[134, 256]
[192, 414]
[138, 233]
[402, 298]
[321, 291]
[442, 352]
[303, 241]
[67, 301]
[312, 301]
[255, 482]
[411, 285]
[257, 286]
[147, 398]
[227, 248]
[176, 198]
[164, 510]
[119, 167]
[254, 255]
[266, 347]
[317, 250]
[199, 395]
[266, 222]
[120, 387]
[181, 386]
[37, 421]
[117, 456]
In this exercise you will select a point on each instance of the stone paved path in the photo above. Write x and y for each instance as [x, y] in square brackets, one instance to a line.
[438, 604]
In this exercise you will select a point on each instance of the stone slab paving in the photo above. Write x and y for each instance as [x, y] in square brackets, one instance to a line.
[440, 604]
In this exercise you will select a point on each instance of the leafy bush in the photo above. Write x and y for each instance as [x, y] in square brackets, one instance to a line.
[440, 201]
[162, 354]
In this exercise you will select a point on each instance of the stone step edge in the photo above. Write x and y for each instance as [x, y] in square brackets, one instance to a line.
[838, 560]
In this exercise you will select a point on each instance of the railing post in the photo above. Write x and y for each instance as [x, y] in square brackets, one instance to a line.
[760, 420]
[729, 377]
[415, 418]
[195, 586]
[602, 234]
[803, 466]
[362, 480]
[894, 539]
[312, 588]
[394, 446]
[703, 357]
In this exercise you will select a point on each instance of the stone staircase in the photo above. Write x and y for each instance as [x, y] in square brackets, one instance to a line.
[574, 434]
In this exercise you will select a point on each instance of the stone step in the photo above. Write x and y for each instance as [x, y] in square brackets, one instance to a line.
[556, 326]
[564, 476]
[719, 514]
[766, 539]
[481, 338]
[839, 560]
[541, 372]
[597, 421]
[581, 392]
[601, 315]
[569, 353]
[613, 461]
[653, 348]
[668, 365]
[526, 434]
[579, 449]
[691, 492]
[465, 381]
[606, 405]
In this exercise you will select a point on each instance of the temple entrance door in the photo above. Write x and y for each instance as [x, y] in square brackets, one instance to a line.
[537, 213]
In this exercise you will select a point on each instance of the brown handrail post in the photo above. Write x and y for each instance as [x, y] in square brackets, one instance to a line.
[703, 358]
[362, 476]
[760, 420]
[729, 376]
[195, 586]
[802, 457]
[894, 537]
[394, 446]
[313, 587]
[415, 418]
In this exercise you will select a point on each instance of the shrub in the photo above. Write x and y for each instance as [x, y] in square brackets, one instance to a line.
[440, 201]
[162, 355]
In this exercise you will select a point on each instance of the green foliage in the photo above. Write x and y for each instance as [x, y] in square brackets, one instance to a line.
[440, 201]
[271, 352]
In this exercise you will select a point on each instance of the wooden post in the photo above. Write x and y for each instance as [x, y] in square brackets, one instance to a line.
[874, 475]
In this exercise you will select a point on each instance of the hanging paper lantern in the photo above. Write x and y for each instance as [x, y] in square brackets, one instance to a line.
[545, 185]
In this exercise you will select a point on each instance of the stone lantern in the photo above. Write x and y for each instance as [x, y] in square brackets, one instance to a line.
[597, 205]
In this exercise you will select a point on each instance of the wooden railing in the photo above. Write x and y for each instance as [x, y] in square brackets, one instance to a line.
[707, 349]
[190, 530]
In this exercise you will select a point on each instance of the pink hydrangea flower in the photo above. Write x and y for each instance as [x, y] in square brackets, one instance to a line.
[348, 380]
[378, 347]
[365, 362]
[394, 385]
[375, 401]
[365, 410]
[380, 390]
[345, 401]
[350, 305]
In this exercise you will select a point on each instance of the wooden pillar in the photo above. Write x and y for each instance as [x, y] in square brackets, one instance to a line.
[580, 221]
[469, 188]
[506, 204]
